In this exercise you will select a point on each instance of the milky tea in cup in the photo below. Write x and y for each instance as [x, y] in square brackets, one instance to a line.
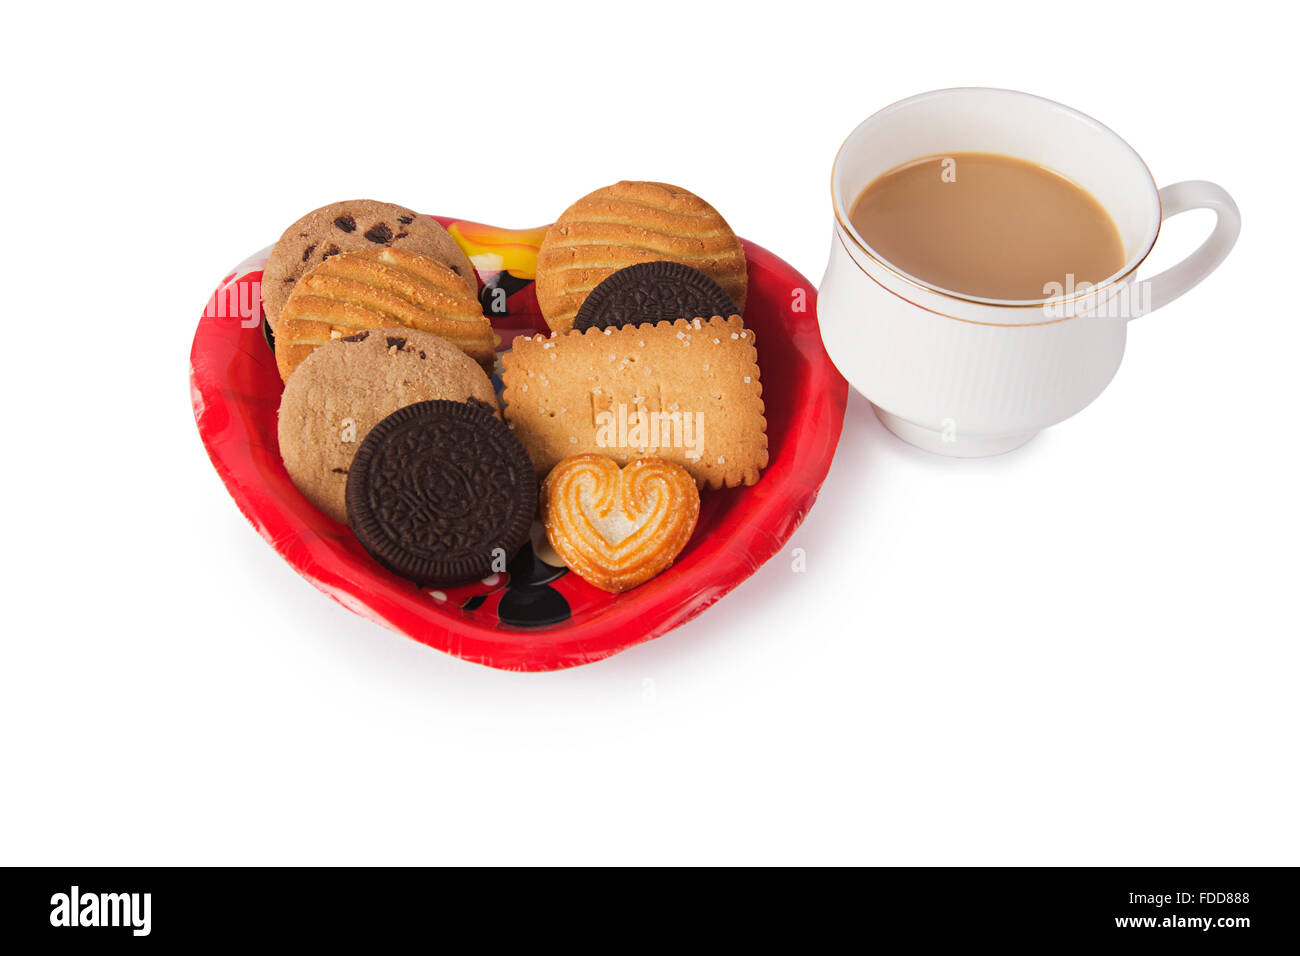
[988, 225]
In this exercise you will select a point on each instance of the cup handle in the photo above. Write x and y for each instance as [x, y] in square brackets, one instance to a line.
[1162, 289]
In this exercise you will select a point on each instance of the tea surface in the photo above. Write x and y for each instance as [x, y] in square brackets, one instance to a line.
[987, 225]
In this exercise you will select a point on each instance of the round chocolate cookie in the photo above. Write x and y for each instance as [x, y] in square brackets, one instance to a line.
[653, 292]
[441, 492]
[350, 226]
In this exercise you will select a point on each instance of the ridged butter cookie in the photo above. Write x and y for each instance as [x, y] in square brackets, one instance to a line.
[346, 227]
[628, 223]
[348, 386]
[379, 289]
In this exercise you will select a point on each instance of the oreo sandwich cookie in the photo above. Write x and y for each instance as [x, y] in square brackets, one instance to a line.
[441, 492]
[653, 292]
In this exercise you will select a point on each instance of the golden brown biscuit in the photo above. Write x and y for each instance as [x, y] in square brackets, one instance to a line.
[686, 391]
[348, 386]
[347, 227]
[617, 528]
[627, 223]
[379, 289]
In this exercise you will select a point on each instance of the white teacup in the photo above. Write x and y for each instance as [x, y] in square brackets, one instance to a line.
[966, 376]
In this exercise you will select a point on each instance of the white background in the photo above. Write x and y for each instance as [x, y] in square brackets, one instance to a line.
[1081, 652]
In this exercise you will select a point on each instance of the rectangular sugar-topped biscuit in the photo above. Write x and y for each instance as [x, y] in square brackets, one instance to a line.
[686, 391]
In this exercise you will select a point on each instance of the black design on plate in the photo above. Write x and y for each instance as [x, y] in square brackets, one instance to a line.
[530, 601]
[495, 304]
[527, 598]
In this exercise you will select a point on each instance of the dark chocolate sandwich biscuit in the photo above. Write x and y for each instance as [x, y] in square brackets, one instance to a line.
[653, 292]
[441, 492]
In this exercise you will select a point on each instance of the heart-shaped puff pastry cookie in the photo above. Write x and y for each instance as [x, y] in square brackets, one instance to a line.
[617, 528]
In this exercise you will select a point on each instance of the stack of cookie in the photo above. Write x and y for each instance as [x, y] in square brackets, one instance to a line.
[646, 389]
[387, 406]
[648, 385]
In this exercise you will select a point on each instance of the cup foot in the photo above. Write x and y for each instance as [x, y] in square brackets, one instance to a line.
[951, 443]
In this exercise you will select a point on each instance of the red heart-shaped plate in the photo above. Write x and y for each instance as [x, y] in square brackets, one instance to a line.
[534, 616]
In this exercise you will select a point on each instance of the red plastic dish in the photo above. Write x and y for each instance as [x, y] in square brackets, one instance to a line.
[236, 393]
